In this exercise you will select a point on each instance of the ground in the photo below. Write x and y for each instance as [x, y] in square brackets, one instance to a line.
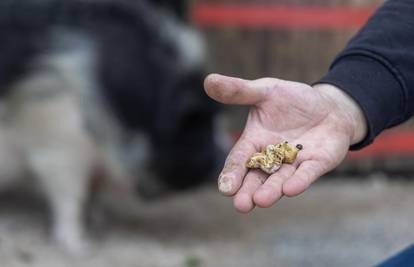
[340, 222]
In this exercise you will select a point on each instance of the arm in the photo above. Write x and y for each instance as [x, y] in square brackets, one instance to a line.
[324, 119]
[369, 88]
[377, 68]
[349, 106]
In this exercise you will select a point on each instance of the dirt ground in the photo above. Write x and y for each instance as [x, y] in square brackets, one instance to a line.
[340, 222]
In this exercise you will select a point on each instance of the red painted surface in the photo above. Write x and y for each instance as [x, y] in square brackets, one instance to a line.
[280, 16]
[389, 144]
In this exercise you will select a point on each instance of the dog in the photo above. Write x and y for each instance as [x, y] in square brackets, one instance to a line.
[105, 88]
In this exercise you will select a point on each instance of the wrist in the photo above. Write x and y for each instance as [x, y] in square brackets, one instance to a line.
[348, 106]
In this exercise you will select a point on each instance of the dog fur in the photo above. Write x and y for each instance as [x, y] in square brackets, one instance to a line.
[113, 86]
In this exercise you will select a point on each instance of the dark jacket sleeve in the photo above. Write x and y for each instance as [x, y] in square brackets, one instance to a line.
[377, 68]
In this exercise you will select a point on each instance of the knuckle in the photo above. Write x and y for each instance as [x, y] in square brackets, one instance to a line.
[275, 182]
[304, 180]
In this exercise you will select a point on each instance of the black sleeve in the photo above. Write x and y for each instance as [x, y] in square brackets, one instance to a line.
[377, 68]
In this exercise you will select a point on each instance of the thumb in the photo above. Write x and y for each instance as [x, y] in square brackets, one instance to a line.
[229, 90]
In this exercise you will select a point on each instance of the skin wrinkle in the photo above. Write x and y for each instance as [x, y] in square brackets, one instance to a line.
[254, 179]
[261, 95]
[277, 182]
[355, 117]
[296, 113]
[305, 179]
[229, 95]
[267, 91]
[303, 113]
[233, 165]
[273, 187]
[245, 138]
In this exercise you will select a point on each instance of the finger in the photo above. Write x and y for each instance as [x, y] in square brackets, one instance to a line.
[234, 168]
[305, 175]
[243, 200]
[271, 191]
[229, 90]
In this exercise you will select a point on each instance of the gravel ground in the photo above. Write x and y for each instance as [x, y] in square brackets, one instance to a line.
[338, 223]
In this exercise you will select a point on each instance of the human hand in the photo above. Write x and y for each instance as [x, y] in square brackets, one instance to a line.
[325, 120]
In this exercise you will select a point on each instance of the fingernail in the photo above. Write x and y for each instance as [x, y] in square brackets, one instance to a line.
[225, 183]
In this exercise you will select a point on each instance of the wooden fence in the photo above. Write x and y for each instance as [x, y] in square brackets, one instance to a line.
[288, 39]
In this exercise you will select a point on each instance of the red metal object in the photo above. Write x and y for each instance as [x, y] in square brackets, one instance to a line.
[280, 16]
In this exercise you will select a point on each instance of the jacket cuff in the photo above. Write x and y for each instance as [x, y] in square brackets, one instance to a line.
[374, 86]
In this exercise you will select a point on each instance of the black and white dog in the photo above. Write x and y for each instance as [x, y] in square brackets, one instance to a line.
[104, 86]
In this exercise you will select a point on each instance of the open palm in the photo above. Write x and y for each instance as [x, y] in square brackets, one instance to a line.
[280, 110]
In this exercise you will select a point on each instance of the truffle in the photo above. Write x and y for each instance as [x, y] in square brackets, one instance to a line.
[272, 157]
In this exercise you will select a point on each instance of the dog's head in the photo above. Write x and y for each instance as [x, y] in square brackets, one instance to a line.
[150, 68]
[153, 74]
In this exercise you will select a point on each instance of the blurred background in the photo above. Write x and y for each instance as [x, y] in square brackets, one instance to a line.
[358, 215]
[294, 40]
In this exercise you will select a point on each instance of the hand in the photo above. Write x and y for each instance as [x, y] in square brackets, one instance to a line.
[325, 120]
